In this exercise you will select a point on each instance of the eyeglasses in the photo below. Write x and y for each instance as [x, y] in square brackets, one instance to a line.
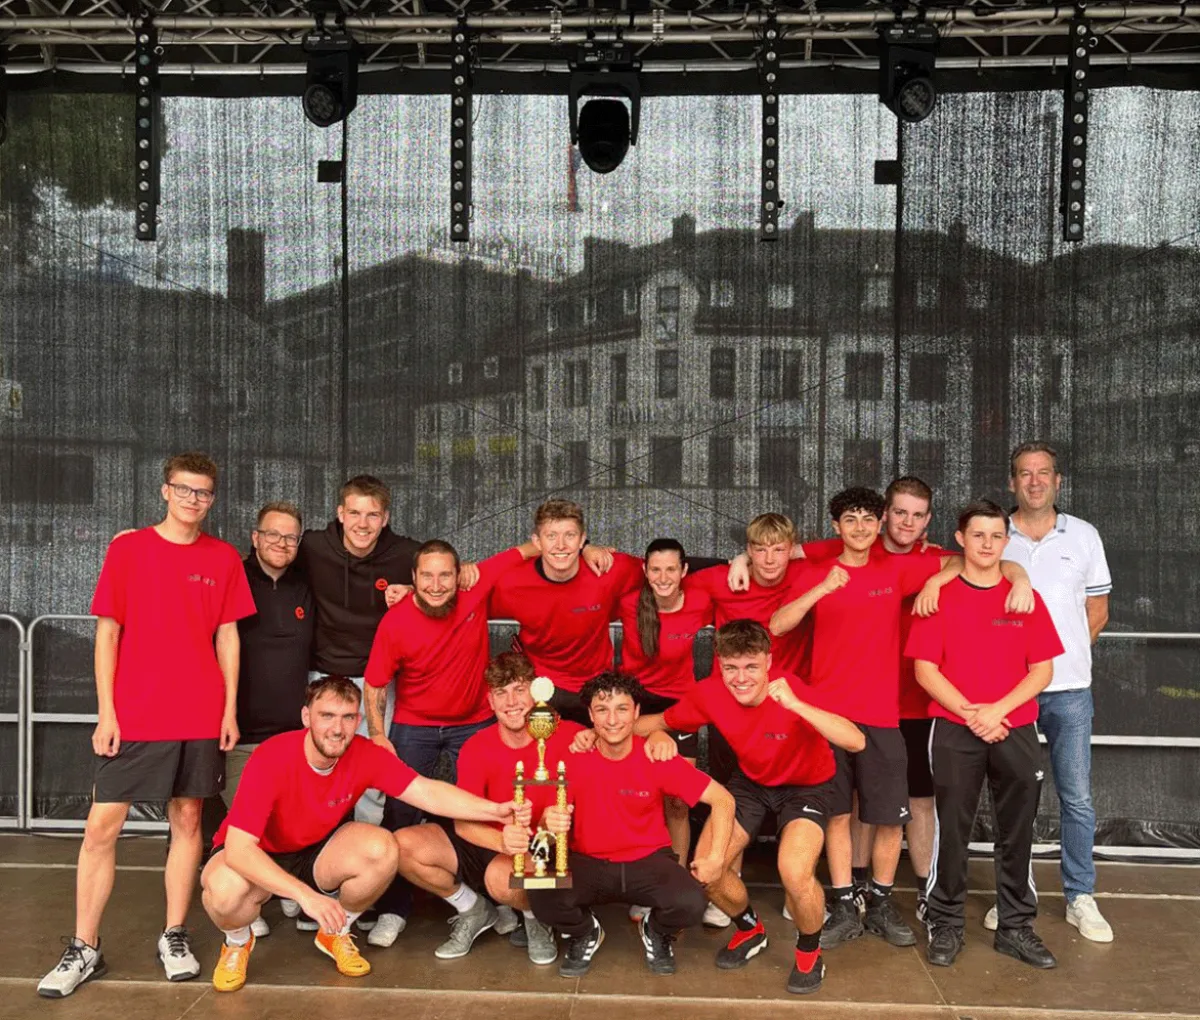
[277, 537]
[182, 491]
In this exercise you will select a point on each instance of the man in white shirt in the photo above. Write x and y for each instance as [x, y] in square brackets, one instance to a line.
[1065, 560]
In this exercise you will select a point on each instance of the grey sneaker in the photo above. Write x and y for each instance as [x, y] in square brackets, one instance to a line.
[542, 945]
[79, 963]
[175, 954]
[509, 920]
[466, 928]
[842, 925]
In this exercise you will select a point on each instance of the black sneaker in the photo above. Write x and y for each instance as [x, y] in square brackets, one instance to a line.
[922, 909]
[843, 924]
[1024, 944]
[519, 937]
[660, 949]
[945, 943]
[800, 983]
[883, 919]
[579, 950]
[743, 947]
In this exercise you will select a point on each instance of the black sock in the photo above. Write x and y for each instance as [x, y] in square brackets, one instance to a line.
[747, 920]
[922, 881]
[879, 891]
[808, 943]
[842, 892]
[861, 876]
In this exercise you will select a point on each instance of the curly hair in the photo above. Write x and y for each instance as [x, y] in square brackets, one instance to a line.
[612, 682]
[857, 498]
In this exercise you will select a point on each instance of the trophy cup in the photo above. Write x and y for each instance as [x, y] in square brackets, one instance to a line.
[541, 724]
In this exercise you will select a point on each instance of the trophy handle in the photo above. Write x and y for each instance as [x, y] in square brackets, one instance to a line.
[560, 844]
[519, 798]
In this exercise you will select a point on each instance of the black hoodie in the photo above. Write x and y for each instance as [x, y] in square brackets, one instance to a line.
[349, 593]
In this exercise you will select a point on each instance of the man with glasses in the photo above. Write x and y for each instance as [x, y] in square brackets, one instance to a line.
[167, 651]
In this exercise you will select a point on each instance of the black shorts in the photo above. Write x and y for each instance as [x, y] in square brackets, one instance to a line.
[568, 705]
[878, 774]
[787, 803]
[159, 770]
[916, 743]
[298, 863]
[656, 704]
[473, 862]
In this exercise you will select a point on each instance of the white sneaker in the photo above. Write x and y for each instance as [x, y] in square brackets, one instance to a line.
[636, 913]
[386, 930]
[787, 914]
[260, 928]
[509, 920]
[1085, 915]
[175, 953]
[79, 963]
[991, 920]
[715, 917]
[290, 908]
[306, 923]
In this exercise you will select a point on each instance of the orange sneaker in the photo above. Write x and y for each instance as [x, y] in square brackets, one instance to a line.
[230, 972]
[342, 950]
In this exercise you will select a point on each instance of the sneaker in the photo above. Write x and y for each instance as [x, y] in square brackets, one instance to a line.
[367, 919]
[636, 913]
[342, 951]
[861, 899]
[715, 917]
[519, 939]
[991, 920]
[660, 949]
[945, 943]
[466, 928]
[842, 925]
[175, 954]
[579, 950]
[1024, 944]
[800, 983]
[290, 908]
[305, 923]
[742, 947]
[540, 941]
[259, 928]
[507, 922]
[230, 972]
[883, 919]
[922, 909]
[1085, 915]
[78, 963]
[386, 930]
[787, 914]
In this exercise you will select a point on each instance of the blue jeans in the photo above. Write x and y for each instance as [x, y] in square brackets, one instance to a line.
[1065, 717]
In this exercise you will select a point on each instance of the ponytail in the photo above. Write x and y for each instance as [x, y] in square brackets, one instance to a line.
[648, 624]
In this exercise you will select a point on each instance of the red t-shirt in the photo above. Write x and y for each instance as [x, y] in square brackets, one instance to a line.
[856, 633]
[169, 600]
[757, 603]
[672, 672]
[913, 699]
[487, 766]
[981, 649]
[619, 804]
[564, 624]
[438, 664]
[774, 746]
[288, 805]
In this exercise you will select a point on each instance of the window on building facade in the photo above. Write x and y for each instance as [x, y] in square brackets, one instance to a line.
[506, 466]
[537, 467]
[720, 293]
[927, 460]
[793, 375]
[666, 461]
[589, 309]
[666, 374]
[927, 377]
[619, 455]
[49, 478]
[619, 365]
[927, 292]
[979, 294]
[778, 463]
[244, 481]
[722, 373]
[864, 377]
[456, 373]
[629, 300]
[537, 387]
[768, 373]
[508, 410]
[1056, 377]
[720, 462]
[491, 368]
[862, 462]
[462, 421]
[576, 384]
[781, 295]
[877, 292]
[551, 318]
[667, 299]
[578, 464]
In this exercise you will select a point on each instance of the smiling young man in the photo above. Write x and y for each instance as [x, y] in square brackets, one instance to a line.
[785, 767]
[984, 667]
[167, 601]
[620, 845]
[286, 833]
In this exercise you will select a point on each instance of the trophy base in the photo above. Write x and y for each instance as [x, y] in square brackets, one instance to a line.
[533, 882]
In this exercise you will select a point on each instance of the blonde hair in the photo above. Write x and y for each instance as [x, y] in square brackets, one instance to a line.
[767, 529]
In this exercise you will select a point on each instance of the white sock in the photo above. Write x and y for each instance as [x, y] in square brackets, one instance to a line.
[462, 900]
[528, 915]
[351, 917]
[236, 936]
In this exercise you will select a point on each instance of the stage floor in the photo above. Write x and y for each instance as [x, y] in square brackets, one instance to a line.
[1151, 970]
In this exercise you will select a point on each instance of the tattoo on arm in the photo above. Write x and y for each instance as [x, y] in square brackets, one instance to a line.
[376, 702]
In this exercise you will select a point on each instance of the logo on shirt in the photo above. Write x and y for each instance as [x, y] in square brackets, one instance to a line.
[335, 802]
[201, 579]
[587, 609]
[381, 583]
[299, 612]
[775, 736]
[875, 593]
[634, 793]
[1008, 622]
[681, 637]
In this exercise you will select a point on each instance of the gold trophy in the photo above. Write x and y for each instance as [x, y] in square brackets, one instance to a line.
[541, 724]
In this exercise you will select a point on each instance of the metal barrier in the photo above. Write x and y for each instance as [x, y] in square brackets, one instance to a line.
[17, 718]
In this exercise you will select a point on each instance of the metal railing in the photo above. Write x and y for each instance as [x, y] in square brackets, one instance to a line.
[17, 718]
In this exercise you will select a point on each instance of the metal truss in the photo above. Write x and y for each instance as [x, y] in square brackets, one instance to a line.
[684, 45]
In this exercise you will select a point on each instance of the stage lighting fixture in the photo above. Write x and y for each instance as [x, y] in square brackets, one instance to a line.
[1072, 202]
[461, 121]
[604, 128]
[147, 155]
[331, 77]
[907, 53]
[768, 83]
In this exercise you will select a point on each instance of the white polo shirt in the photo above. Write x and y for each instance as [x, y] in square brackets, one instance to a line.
[1066, 568]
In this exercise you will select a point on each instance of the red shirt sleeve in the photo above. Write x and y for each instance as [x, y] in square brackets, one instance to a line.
[388, 773]
[823, 549]
[472, 768]
[383, 660]
[627, 574]
[926, 640]
[256, 795]
[109, 598]
[916, 570]
[494, 567]
[679, 778]
[238, 602]
[1042, 642]
[688, 713]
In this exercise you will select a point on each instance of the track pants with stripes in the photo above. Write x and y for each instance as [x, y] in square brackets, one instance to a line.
[1013, 770]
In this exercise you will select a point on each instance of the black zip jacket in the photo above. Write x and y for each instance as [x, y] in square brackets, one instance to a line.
[276, 648]
[349, 593]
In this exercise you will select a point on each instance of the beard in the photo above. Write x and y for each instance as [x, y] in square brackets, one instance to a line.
[436, 612]
[328, 748]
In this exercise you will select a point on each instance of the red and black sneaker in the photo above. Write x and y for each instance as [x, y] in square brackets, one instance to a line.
[803, 982]
[742, 947]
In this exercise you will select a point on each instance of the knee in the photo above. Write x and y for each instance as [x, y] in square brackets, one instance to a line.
[184, 817]
[380, 852]
[224, 891]
[102, 830]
